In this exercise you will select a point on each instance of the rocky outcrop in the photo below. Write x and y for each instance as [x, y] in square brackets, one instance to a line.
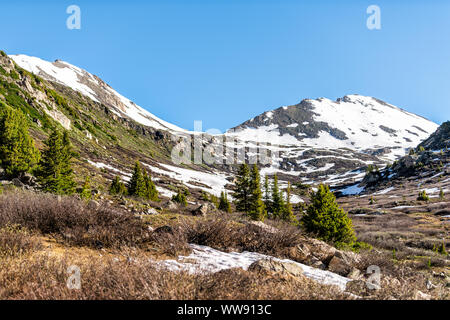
[321, 255]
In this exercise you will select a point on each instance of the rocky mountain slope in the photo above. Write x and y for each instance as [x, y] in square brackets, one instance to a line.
[314, 141]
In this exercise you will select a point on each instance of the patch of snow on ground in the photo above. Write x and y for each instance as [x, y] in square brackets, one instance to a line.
[352, 190]
[384, 191]
[205, 259]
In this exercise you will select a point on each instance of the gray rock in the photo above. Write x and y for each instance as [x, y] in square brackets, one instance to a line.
[164, 229]
[17, 183]
[273, 266]
[202, 210]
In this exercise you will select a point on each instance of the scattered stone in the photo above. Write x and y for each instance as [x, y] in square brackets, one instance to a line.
[164, 229]
[171, 205]
[355, 274]
[202, 210]
[419, 295]
[151, 211]
[93, 205]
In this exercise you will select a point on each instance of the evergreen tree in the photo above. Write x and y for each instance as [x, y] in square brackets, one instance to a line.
[277, 199]
[288, 214]
[180, 198]
[17, 151]
[85, 192]
[224, 204]
[55, 173]
[117, 187]
[256, 205]
[326, 219]
[137, 186]
[151, 192]
[267, 199]
[441, 194]
[242, 189]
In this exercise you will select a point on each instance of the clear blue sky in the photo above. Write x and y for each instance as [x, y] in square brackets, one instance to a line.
[225, 61]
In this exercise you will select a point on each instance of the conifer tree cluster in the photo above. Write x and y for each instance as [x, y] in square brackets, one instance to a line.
[55, 173]
[140, 185]
[17, 151]
[249, 197]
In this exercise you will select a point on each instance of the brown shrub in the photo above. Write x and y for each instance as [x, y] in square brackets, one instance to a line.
[71, 220]
[45, 277]
[223, 233]
[15, 240]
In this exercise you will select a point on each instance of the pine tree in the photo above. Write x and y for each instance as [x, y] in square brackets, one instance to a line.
[267, 199]
[85, 192]
[441, 194]
[137, 186]
[17, 151]
[277, 199]
[117, 187]
[180, 198]
[150, 188]
[256, 205]
[224, 204]
[242, 189]
[287, 213]
[326, 219]
[55, 173]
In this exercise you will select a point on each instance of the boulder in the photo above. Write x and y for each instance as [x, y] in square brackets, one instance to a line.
[343, 262]
[310, 251]
[150, 211]
[264, 226]
[171, 205]
[339, 266]
[269, 266]
[202, 210]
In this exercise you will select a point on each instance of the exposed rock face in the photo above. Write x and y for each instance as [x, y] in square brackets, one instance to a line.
[440, 139]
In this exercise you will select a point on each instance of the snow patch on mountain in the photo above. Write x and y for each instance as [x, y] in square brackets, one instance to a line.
[89, 85]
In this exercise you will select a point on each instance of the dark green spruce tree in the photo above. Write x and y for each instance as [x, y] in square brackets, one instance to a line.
[241, 192]
[326, 219]
[150, 189]
[17, 151]
[117, 187]
[56, 173]
[137, 186]
[256, 205]
[224, 204]
[267, 199]
[277, 199]
[287, 212]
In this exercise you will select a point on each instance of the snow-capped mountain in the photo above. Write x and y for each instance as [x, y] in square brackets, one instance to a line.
[325, 140]
[315, 140]
[355, 122]
[92, 86]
